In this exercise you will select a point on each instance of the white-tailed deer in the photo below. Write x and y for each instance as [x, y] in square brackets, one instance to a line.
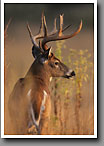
[30, 101]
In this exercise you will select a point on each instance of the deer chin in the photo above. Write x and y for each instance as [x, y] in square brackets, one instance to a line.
[68, 77]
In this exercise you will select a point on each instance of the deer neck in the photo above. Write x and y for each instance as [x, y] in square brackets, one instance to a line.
[39, 74]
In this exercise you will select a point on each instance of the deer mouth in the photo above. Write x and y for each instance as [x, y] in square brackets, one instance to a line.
[72, 74]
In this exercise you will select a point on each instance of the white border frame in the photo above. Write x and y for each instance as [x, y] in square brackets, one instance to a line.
[95, 70]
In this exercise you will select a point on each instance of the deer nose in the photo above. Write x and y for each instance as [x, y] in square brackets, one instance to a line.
[72, 73]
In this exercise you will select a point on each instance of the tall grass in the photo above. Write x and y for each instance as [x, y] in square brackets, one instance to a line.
[69, 96]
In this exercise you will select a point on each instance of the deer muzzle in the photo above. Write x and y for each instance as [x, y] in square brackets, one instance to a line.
[69, 74]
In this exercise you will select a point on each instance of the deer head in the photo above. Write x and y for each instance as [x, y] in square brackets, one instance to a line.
[42, 53]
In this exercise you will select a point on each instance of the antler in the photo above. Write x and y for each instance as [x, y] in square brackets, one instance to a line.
[55, 35]
[58, 35]
[39, 35]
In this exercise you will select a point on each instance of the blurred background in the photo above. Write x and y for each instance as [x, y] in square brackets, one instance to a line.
[72, 100]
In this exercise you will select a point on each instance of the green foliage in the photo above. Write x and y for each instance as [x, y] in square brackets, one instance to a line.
[82, 66]
[80, 62]
[58, 51]
[54, 120]
[70, 90]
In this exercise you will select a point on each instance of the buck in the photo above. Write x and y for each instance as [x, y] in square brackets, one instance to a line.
[30, 101]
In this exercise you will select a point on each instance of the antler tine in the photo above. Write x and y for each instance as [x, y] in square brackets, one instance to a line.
[41, 26]
[31, 36]
[55, 28]
[39, 35]
[61, 25]
[66, 27]
[54, 31]
[45, 27]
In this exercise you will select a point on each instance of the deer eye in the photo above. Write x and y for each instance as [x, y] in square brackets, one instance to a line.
[56, 63]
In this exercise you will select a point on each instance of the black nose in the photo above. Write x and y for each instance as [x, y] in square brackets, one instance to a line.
[72, 73]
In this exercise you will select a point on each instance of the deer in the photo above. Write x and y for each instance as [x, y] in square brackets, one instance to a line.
[30, 101]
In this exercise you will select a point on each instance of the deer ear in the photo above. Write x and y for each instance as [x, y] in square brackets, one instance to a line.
[48, 53]
[36, 52]
[45, 56]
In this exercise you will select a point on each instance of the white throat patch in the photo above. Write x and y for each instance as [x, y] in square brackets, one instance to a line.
[50, 79]
[29, 94]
